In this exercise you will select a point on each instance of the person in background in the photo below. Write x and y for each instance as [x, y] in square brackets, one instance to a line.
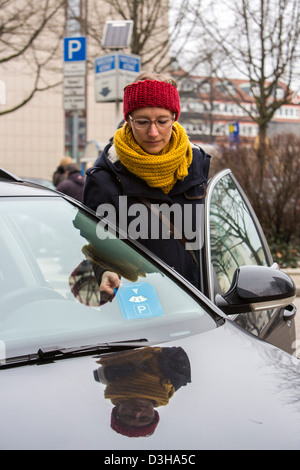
[73, 184]
[60, 172]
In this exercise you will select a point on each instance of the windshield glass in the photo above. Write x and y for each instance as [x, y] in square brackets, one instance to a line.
[53, 258]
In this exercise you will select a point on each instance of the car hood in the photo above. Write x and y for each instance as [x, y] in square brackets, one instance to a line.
[242, 394]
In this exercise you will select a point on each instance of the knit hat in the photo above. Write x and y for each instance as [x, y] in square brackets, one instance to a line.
[66, 160]
[151, 93]
[133, 431]
[72, 168]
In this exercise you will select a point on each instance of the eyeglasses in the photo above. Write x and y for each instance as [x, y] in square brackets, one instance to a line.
[145, 124]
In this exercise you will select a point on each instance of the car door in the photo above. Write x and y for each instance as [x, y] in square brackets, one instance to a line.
[233, 238]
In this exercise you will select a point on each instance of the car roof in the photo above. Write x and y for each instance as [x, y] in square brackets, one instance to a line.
[11, 185]
[10, 188]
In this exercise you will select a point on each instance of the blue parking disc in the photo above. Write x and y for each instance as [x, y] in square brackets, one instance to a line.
[139, 300]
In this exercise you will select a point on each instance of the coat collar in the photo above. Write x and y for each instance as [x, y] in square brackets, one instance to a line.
[135, 186]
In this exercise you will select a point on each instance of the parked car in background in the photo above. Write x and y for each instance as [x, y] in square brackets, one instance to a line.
[159, 366]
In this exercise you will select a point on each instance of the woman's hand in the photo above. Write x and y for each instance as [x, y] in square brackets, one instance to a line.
[109, 282]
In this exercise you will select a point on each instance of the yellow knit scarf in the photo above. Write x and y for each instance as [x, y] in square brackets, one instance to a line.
[145, 386]
[145, 382]
[160, 170]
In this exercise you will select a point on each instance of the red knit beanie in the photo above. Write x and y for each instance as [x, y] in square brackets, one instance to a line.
[151, 93]
[133, 431]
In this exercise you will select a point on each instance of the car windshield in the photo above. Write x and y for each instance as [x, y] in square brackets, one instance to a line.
[52, 258]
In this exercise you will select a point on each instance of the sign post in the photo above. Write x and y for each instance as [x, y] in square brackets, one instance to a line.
[74, 86]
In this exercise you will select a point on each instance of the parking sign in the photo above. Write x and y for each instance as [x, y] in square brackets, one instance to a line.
[74, 73]
[74, 49]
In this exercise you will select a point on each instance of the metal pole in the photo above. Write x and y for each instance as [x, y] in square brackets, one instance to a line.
[75, 135]
[117, 91]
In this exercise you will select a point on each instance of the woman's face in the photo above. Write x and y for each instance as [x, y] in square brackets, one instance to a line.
[136, 411]
[152, 139]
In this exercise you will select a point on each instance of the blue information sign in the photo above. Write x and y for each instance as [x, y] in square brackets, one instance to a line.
[105, 63]
[129, 63]
[234, 132]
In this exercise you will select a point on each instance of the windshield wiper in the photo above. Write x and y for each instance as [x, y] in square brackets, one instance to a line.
[58, 353]
[49, 354]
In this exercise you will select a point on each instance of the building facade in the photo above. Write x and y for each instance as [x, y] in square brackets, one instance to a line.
[210, 113]
[35, 137]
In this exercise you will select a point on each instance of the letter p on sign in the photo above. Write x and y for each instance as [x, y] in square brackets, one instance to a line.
[74, 49]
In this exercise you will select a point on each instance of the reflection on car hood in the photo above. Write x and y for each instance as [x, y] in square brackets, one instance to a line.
[224, 390]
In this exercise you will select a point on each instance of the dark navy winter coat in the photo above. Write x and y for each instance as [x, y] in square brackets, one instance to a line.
[108, 179]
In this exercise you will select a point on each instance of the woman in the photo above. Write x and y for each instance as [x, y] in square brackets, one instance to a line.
[152, 162]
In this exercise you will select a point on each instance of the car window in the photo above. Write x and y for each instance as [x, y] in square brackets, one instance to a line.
[234, 236]
[52, 258]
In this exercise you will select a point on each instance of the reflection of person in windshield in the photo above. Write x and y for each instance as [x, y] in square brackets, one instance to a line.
[138, 381]
[95, 280]
[92, 286]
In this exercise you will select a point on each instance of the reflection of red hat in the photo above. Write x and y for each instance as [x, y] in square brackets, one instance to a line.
[132, 431]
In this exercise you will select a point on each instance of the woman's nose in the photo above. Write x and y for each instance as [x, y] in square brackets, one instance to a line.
[153, 129]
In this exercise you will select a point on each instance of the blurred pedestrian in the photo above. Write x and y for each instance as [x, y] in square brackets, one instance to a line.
[60, 172]
[73, 184]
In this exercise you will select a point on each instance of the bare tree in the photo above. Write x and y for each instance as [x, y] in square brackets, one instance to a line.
[277, 203]
[153, 29]
[259, 41]
[31, 35]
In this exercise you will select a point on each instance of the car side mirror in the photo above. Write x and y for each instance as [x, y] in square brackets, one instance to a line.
[256, 288]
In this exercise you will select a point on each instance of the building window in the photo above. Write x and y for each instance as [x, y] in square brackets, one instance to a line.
[204, 88]
[186, 85]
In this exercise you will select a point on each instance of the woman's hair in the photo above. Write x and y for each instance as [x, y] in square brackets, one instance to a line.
[66, 160]
[155, 76]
